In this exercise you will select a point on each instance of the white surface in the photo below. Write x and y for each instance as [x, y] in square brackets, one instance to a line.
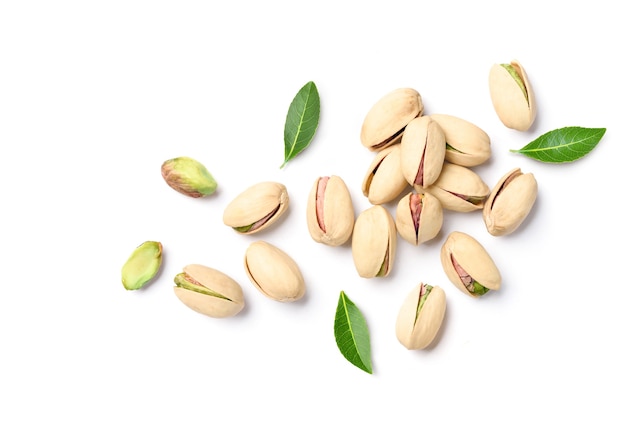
[94, 96]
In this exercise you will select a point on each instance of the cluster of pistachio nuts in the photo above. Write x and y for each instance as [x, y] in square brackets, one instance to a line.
[433, 155]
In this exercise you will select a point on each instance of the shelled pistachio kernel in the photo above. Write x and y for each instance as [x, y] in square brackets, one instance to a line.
[257, 208]
[209, 291]
[468, 265]
[420, 316]
[142, 265]
[188, 176]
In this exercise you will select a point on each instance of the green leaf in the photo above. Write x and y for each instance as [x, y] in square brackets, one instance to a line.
[352, 335]
[563, 145]
[302, 120]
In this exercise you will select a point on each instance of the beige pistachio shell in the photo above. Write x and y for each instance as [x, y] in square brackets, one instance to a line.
[466, 262]
[273, 272]
[512, 95]
[383, 181]
[257, 208]
[209, 291]
[510, 202]
[329, 212]
[384, 123]
[423, 149]
[374, 242]
[458, 188]
[419, 217]
[418, 330]
[466, 144]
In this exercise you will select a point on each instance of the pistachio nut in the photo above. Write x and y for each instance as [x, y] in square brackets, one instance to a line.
[468, 265]
[273, 272]
[208, 291]
[188, 176]
[329, 212]
[512, 96]
[466, 144]
[142, 265]
[510, 202]
[374, 242]
[458, 188]
[421, 316]
[423, 148]
[384, 123]
[419, 217]
[383, 181]
[257, 207]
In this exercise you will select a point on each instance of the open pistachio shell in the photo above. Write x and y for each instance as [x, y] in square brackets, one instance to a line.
[510, 202]
[374, 242]
[329, 212]
[419, 217]
[468, 265]
[257, 208]
[421, 316]
[209, 291]
[466, 144]
[384, 123]
[273, 272]
[512, 95]
[458, 188]
[383, 181]
[423, 149]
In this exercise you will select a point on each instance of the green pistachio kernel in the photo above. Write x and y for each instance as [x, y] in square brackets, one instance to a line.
[142, 265]
[188, 176]
[511, 70]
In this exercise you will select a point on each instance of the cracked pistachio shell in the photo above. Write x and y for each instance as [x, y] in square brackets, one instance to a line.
[468, 265]
[510, 202]
[273, 272]
[142, 265]
[419, 217]
[257, 208]
[512, 95]
[423, 149]
[188, 176]
[374, 242]
[420, 316]
[384, 123]
[458, 188]
[208, 291]
[329, 212]
[383, 181]
[466, 144]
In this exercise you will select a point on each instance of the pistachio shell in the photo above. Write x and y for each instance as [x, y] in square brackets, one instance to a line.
[512, 95]
[273, 272]
[257, 208]
[383, 180]
[510, 202]
[384, 123]
[209, 291]
[465, 259]
[417, 326]
[466, 144]
[419, 217]
[142, 265]
[423, 149]
[458, 188]
[374, 242]
[330, 213]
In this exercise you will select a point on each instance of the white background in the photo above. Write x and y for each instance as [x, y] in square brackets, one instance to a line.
[94, 96]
